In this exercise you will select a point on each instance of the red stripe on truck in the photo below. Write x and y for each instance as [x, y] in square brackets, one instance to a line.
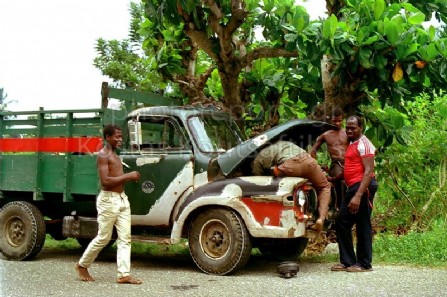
[51, 145]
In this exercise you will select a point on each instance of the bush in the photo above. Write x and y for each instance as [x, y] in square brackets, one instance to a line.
[412, 177]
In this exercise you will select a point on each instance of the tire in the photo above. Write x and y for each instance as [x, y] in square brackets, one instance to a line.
[22, 229]
[219, 242]
[283, 249]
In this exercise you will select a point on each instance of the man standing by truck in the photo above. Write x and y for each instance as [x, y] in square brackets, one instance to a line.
[336, 142]
[356, 206]
[113, 210]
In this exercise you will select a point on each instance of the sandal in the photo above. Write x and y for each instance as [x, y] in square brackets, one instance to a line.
[129, 280]
[358, 268]
[339, 267]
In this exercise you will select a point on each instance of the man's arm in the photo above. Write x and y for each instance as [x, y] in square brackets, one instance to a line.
[112, 181]
[368, 165]
[318, 143]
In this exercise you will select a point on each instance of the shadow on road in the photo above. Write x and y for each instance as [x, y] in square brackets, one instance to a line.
[256, 265]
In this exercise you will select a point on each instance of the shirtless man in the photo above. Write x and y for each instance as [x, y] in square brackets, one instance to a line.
[113, 210]
[336, 142]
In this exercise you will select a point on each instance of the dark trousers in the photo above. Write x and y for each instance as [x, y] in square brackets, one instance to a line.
[362, 220]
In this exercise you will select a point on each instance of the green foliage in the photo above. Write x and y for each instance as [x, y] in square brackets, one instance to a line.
[412, 176]
[420, 248]
[385, 48]
[127, 63]
[377, 48]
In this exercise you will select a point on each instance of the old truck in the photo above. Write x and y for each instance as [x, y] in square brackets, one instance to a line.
[196, 181]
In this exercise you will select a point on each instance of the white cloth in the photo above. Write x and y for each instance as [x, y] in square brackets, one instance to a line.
[113, 210]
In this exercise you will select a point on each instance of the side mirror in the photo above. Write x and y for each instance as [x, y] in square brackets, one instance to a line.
[135, 135]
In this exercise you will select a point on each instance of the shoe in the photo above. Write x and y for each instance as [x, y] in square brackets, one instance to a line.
[339, 267]
[358, 268]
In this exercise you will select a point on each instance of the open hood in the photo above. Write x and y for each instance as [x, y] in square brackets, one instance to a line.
[301, 132]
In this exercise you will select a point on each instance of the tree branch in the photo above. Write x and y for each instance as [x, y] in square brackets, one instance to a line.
[266, 52]
[204, 77]
[202, 41]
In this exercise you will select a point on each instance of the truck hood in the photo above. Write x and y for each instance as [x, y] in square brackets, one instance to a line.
[301, 132]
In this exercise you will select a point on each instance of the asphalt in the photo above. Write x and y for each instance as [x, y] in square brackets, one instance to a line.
[52, 273]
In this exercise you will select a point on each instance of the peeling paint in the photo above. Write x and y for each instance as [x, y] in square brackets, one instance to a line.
[287, 184]
[266, 220]
[288, 221]
[200, 179]
[147, 160]
[260, 140]
[160, 212]
[258, 180]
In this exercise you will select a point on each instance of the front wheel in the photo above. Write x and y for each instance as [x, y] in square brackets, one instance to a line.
[219, 242]
[22, 229]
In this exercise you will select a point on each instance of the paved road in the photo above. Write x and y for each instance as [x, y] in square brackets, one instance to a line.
[52, 274]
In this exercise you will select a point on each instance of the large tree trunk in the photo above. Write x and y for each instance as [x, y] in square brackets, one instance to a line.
[229, 75]
[336, 93]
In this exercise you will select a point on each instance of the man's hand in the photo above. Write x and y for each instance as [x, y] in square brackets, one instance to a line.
[134, 175]
[354, 203]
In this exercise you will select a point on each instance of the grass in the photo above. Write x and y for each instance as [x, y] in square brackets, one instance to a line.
[417, 248]
[414, 248]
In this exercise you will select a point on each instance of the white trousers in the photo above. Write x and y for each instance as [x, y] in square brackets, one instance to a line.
[113, 210]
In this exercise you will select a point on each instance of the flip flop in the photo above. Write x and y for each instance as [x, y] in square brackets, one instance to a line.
[339, 267]
[358, 268]
[129, 280]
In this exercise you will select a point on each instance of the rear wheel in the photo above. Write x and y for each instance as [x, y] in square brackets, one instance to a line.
[219, 242]
[23, 231]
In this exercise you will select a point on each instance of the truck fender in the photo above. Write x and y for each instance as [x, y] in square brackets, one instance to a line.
[243, 195]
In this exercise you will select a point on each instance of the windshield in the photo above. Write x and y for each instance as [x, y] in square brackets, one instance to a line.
[214, 134]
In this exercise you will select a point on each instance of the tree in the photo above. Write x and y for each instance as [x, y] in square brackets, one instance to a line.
[3, 100]
[378, 49]
[365, 50]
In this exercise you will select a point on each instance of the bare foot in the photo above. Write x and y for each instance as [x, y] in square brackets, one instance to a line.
[83, 274]
[318, 226]
[129, 280]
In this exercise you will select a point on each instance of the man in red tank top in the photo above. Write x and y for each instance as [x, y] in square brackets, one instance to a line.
[356, 207]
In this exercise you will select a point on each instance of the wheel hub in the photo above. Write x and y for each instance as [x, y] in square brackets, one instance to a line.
[288, 269]
[15, 231]
[215, 239]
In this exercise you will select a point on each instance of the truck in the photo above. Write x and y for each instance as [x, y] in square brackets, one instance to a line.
[196, 183]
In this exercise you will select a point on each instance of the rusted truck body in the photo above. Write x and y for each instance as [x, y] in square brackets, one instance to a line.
[196, 181]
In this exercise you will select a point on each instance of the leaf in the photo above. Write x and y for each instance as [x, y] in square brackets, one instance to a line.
[290, 37]
[420, 64]
[327, 30]
[431, 32]
[416, 18]
[379, 7]
[398, 73]
[432, 52]
[380, 61]
[391, 32]
[371, 40]
[365, 55]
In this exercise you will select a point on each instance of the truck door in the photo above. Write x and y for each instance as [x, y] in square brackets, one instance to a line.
[159, 150]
